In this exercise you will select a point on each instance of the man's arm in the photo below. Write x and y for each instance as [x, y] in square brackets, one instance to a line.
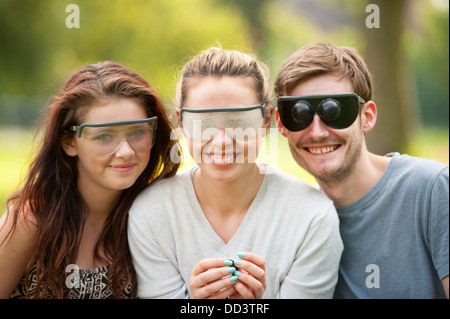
[445, 284]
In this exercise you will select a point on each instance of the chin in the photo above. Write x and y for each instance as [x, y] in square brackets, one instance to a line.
[122, 184]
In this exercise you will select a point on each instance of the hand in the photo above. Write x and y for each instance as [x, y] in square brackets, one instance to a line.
[210, 279]
[251, 283]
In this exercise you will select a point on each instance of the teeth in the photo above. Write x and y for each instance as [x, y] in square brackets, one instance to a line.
[322, 150]
[222, 159]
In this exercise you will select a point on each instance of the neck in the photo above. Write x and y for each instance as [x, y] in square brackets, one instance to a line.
[100, 202]
[231, 197]
[366, 173]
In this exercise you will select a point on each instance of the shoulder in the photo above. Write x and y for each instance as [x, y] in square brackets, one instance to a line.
[18, 243]
[163, 195]
[295, 196]
[418, 172]
[421, 167]
[20, 224]
[287, 185]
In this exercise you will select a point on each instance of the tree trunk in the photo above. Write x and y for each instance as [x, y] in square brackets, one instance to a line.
[394, 96]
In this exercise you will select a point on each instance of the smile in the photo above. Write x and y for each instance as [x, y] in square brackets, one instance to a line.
[322, 149]
[222, 159]
[123, 168]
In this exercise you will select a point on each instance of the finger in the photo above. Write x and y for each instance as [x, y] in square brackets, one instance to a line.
[224, 293]
[210, 275]
[253, 258]
[244, 291]
[252, 269]
[215, 288]
[249, 287]
[206, 264]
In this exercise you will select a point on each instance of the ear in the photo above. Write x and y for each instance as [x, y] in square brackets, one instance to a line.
[177, 111]
[68, 144]
[368, 116]
[268, 118]
[280, 125]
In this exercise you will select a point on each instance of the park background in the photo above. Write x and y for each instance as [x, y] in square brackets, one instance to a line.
[408, 54]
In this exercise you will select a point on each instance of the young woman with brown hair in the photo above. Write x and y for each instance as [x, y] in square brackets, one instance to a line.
[64, 234]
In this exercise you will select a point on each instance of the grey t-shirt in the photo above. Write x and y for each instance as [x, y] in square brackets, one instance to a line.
[292, 225]
[396, 236]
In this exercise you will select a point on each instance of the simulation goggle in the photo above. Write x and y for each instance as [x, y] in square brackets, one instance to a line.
[104, 139]
[338, 111]
[240, 123]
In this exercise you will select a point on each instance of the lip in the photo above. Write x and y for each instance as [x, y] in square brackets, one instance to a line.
[123, 168]
[318, 150]
[222, 160]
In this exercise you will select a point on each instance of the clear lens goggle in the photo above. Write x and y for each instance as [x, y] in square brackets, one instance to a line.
[240, 123]
[337, 111]
[104, 139]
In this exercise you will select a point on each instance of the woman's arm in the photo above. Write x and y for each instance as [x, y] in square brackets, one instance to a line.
[17, 246]
[314, 272]
[157, 276]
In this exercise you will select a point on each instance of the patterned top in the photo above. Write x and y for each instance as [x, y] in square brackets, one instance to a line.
[83, 284]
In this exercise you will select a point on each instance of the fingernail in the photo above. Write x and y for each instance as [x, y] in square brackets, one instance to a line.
[234, 278]
[231, 270]
[237, 273]
[237, 262]
[228, 262]
[241, 255]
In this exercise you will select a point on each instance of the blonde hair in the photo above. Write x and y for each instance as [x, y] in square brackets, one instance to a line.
[323, 58]
[216, 62]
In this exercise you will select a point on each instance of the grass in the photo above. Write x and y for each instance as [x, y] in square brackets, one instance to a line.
[16, 147]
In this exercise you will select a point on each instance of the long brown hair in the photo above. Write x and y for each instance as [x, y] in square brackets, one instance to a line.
[50, 188]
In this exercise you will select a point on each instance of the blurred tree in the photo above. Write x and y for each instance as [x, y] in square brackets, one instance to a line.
[429, 57]
[154, 38]
[251, 11]
[394, 94]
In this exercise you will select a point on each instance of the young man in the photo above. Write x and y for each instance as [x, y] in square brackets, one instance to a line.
[393, 209]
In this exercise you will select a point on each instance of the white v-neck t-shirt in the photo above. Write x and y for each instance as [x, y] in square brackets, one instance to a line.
[290, 223]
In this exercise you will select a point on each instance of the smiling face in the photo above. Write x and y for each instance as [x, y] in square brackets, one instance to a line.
[116, 171]
[221, 156]
[328, 154]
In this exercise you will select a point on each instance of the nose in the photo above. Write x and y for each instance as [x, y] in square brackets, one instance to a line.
[222, 138]
[124, 149]
[318, 129]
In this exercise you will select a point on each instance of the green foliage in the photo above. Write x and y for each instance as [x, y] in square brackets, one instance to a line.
[429, 54]
[153, 38]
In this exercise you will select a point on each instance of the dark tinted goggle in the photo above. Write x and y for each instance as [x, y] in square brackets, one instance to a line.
[338, 111]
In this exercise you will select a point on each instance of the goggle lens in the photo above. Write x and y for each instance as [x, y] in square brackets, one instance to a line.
[240, 123]
[104, 139]
[338, 111]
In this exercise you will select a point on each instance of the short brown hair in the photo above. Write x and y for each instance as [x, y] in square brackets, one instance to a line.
[322, 58]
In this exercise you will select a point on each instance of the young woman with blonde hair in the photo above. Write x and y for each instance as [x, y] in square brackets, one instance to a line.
[185, 233]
